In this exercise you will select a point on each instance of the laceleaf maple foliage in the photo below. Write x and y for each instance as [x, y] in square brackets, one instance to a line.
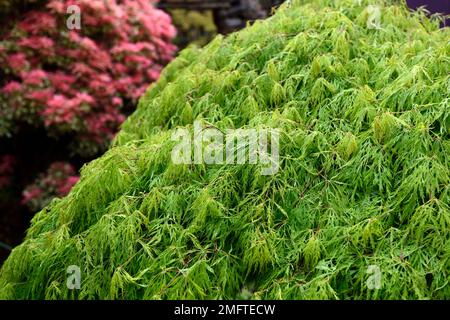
[363, 184]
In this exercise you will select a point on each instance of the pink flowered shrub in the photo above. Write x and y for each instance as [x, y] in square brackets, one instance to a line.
[78, 84]
[57, 181]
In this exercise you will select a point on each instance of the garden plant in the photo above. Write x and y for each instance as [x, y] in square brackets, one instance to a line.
[359, 91]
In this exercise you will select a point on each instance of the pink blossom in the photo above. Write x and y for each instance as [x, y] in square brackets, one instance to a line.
[100, 60]
[124, 84]
[34, 77]
[60, 109]
[85, 42]
[62, 82]
[82, 69]
[67, 185]
[141, 61]
[57, 102]
[104, 77]
[75, 36]
[117, 101]
[153, 73]
[91, 21]
[88, 44]
[11, 87]
[85, 98]
[102, 85]
[120, 68]
[57, 6]
[30, 194]
[36, 21]
[95, 5]
[75, 54]
[132, 47]
[61, 77]
[37, 43]
[120, 118]
[40, 95]
[17, 61]
[139, 92]
[138, 78]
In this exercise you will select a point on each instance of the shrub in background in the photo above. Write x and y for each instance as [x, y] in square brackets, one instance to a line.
[68, 91]
[194, 27]
[58, 180]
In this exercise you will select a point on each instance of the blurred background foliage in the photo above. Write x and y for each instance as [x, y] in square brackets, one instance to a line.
[194, 27]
